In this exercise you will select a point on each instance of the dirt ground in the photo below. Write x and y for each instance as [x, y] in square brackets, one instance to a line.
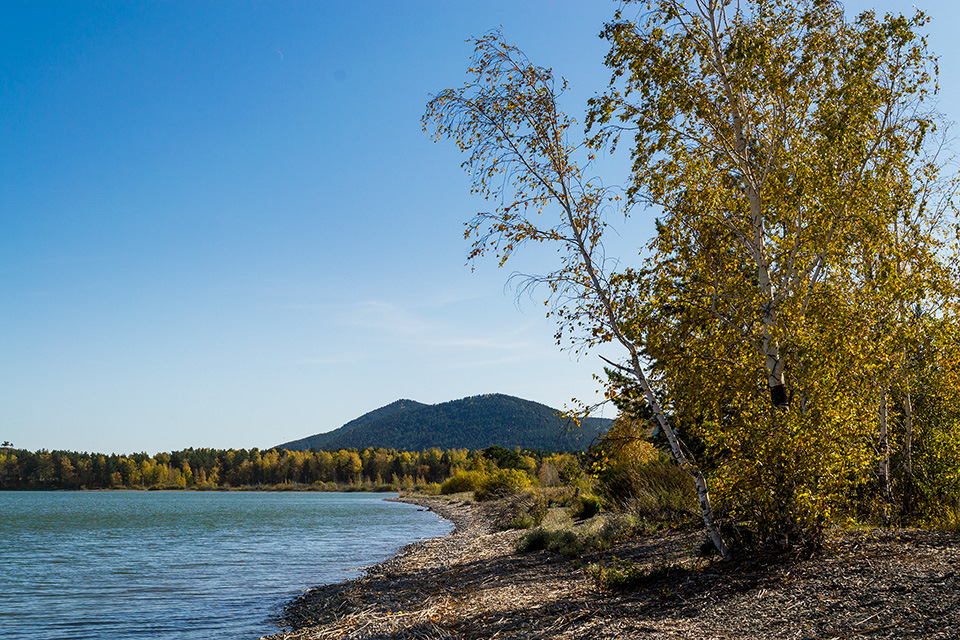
[879, 584]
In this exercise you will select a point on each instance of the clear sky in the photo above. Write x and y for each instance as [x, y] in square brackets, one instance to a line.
[221, 224]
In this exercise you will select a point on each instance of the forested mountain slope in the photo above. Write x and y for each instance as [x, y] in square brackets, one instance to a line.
[476, 422]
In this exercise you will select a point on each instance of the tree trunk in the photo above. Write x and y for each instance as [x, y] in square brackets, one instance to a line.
[703, 495]
[885, 458]
[752, 187]
[907, 454]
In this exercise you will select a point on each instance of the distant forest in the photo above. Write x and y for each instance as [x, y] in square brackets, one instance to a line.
[213, 469]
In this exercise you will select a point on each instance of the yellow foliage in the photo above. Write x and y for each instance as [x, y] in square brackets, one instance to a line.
[626, 443]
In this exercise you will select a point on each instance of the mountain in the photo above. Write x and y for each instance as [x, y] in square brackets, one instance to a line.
[476, 422]
[316, 441]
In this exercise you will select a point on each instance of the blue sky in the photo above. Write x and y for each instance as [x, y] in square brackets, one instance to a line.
[222, 225]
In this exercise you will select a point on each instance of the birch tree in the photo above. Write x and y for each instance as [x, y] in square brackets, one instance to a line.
[521, 158]
[790, 155]
[783, 148]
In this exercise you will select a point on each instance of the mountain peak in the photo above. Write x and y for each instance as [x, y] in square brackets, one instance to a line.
[474, 422]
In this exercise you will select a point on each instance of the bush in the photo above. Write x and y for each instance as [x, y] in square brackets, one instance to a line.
[623, 574]
[584, 507]
[616, 528]
[597, 535]
[536, 540]
[462, 481]
[619, 574]
[524, 510]
[657, 491]
[502, 482]
[564, 542]
[523, 521]
[430, 489]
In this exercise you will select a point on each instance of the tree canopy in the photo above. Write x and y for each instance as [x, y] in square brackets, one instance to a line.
[805, 245]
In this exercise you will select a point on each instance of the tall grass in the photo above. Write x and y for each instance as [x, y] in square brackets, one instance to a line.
[658, 491]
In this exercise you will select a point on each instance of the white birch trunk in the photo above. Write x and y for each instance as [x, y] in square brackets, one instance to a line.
[752, 185]
[703, 495]
[907, 453]
[885, 457]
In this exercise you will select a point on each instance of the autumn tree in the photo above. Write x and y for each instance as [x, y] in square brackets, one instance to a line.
[348, 466]
[520, 155]
[924, 462]
[787, 154]
[790, 157]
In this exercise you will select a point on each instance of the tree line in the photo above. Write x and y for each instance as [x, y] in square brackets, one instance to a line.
[372, 468]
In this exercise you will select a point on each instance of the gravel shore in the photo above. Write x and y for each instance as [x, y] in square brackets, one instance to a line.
[472, 584]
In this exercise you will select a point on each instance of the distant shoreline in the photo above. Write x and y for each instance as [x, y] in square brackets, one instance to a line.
[248, 488]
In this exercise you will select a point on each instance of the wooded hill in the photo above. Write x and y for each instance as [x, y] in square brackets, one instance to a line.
[472, 423]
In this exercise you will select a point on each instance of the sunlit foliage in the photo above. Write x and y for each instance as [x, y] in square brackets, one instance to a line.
[791, 158]
[344, 469]
[802, 279]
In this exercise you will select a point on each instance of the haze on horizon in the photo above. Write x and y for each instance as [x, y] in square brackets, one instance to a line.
[226, 228]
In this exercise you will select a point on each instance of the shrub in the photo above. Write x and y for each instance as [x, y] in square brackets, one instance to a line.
[616, 528]
[619, 574]
[657, 490]
[535, 540]
[564, 542]
[502, 482]
[599, 534]
[523, 521]
[462, 481]
[430, 489]
[623, 574]
[522, 510]
[584, 507]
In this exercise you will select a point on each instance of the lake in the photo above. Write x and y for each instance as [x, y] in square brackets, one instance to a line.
[179, 565]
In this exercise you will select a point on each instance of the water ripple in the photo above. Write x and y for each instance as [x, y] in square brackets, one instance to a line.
[182, 565]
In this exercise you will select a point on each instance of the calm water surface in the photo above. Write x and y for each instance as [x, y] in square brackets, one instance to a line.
[179, 565]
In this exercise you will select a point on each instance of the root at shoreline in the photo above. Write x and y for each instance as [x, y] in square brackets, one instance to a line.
[472, 584]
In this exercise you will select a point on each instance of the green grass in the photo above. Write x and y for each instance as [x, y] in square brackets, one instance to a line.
[621, 575]
[599, 533]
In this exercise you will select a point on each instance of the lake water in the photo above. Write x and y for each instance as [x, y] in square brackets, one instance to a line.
[183, 565]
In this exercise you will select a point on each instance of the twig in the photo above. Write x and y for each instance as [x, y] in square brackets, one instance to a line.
[867, 619]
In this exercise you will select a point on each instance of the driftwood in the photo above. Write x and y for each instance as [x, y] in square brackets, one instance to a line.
[472, 584]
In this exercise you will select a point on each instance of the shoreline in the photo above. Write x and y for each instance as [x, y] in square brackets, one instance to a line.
[471, 583]
[325, 609]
